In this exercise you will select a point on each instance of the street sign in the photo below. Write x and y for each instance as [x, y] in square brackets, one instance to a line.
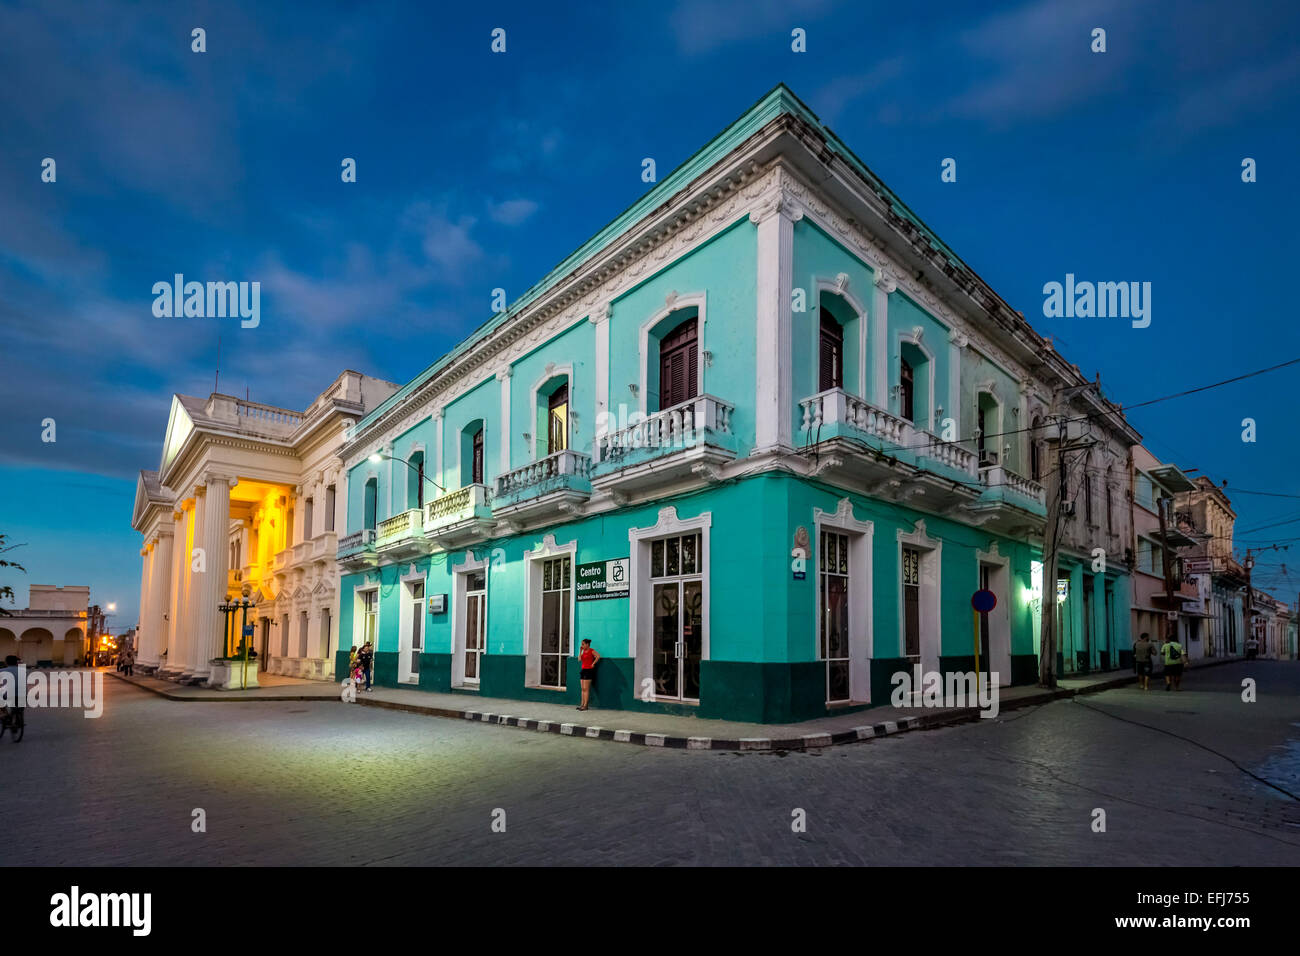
[437, 604]
[984, 600]
[604, 579]
[248, 630]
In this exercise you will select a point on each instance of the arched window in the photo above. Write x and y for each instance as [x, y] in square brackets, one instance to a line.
[551, 416]
[830, 362]
[987, 427]
[679, 365]
[415, 481]
[471, 453]
[1035, 450]
[370, 502]
[906, 390]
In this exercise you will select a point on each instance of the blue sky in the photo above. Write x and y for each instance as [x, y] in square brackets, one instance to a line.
[478, 170]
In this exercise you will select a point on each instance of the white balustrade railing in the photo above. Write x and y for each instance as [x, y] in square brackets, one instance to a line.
[950, 454]
[403, 525]
[995, 476]
[357, 540]
[267, 413]
[454, 506]
[681, 426]
[836, 406]
[567, 462]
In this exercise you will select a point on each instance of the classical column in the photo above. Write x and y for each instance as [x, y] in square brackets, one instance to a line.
[884, 285]
[208, 621]
[775, 217]
[154, 624]
[146, 589]
[194, 583]
[176, 618]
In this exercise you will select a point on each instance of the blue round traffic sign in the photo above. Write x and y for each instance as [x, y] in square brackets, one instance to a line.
[984, 600]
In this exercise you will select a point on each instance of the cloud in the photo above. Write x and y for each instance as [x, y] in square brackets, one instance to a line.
[1040, 63]
[702, 26]
[512, 212]
[832, 99]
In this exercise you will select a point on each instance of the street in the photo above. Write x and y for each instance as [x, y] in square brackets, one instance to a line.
[334, 784]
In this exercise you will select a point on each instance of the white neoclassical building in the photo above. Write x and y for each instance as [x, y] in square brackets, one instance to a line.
[248, 500]
[50, 631]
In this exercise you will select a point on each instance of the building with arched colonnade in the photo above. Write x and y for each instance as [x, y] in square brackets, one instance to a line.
[51, 631]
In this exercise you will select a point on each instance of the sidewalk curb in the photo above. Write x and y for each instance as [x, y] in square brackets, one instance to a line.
[213, 700]
[803, 742]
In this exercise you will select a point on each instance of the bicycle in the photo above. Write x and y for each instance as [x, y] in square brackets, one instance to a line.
[13, 721]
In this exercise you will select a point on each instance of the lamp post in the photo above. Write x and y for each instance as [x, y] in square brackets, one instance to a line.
[377, 457]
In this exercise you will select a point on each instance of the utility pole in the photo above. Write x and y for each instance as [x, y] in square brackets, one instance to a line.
[1057, 487]
[1051, 532]
[1171, 619]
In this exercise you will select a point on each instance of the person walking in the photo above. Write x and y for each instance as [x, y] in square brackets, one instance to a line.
[354, 666]
[128, 662]
[1142, 651]
[1173, 654]
[366, 659]
[589, 658]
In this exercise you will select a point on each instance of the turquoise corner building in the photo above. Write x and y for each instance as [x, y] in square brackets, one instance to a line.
[759, 439]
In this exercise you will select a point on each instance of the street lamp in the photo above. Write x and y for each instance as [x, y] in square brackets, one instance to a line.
[377, 457]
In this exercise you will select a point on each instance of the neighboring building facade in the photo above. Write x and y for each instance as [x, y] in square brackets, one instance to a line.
[51, 631]
[1205, 513]
[247, 503]
[1153, 487]
[759, 440]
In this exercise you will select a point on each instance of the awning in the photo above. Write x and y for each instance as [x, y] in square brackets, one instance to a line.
[1171, 478]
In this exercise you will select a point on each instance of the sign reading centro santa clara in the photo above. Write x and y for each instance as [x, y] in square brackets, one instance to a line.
[603, 579]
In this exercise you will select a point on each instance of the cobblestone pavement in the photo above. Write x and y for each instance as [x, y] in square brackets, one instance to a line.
[327, 783]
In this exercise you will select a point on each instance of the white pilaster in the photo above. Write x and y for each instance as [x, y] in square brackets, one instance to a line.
[884, 284]
[600, 319]
[437, 454]
[774, 405]
[503, 377]
[956, 342]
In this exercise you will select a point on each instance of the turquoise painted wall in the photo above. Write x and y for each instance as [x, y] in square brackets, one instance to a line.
[575, 347]
[816, 256]
[724, 268]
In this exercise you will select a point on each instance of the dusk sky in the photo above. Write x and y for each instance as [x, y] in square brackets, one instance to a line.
[478, 170]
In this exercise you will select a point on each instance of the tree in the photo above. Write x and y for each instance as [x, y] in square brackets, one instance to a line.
[7, 592]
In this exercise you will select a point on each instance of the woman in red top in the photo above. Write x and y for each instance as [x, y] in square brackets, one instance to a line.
[589, 657]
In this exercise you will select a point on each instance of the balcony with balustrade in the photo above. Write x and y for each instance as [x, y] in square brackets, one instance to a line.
[356, 551]
[402, 536]
[1010, 502]
[324, 547]
[544, 488]
[459, 517]
[860, 443]
[665, 446]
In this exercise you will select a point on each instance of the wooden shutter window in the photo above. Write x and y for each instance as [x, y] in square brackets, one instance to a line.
[477, 468]
[679, 366]
[831, 361]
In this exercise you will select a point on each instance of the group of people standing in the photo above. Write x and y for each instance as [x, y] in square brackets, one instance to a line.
[1172, 654]
[361, 662]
